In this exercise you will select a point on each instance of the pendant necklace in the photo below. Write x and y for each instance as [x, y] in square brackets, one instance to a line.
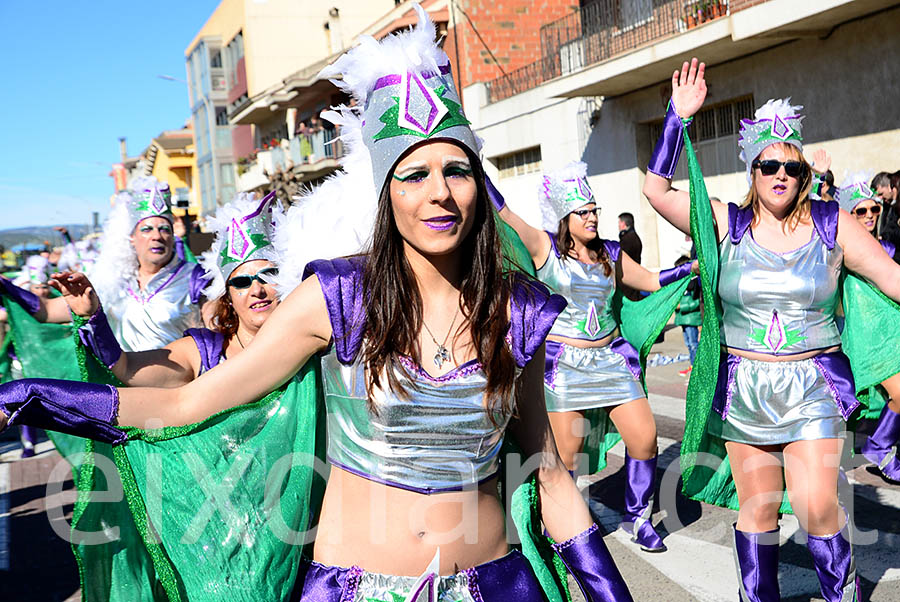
[442, 354]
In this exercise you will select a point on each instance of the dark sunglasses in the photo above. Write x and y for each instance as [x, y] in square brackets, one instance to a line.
[770, 167]
[244, 281]
[583, 213]
[861, 211]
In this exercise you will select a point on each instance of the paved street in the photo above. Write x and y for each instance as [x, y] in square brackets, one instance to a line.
[35, 564]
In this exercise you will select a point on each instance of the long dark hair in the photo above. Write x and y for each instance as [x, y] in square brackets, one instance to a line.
[394, 303]
[595, 246]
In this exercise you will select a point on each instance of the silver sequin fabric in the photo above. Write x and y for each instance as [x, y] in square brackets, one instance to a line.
[770, 403]
[779, 303]
[585, 378]
[440, 439]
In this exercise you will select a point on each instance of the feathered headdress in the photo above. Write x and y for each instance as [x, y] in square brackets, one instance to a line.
[565, 190]
[405, 95]
[855, 189]
[244, 232]
[150, 198]
[776, 121]
[405, 88]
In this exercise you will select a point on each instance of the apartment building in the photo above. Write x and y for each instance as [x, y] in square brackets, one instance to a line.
[599, 89]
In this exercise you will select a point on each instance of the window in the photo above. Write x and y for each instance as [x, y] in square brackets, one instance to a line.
[714, 134]
[215, 59]
[221, 115]
[520, 163]
[234, 52]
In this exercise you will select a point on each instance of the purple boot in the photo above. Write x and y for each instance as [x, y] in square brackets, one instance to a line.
[835, 566]
[640, 476]
[757, 564]
[29, 440]
[880, 446]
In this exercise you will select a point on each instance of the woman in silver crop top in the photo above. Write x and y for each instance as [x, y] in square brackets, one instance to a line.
[430, 354]
[785, 388]
[588, 366]
[858, 199]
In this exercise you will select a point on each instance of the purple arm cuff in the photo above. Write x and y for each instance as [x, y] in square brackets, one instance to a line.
[97, 336]
[593, 568]
[496, 198]
[668, 147]
[671, 275]
[28, 300]
[71, 407]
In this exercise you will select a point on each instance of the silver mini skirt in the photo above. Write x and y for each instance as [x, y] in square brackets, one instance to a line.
[772, 403]
[577, 378]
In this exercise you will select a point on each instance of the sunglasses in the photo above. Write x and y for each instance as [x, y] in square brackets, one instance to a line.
[244, 281]
[583, 213]
[770, 167]
[861, 211]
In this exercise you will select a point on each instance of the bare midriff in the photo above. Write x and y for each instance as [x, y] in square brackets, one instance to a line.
[583, 343]
[393, 531]
[767, 357]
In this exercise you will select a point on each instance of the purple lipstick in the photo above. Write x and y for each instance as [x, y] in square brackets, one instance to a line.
[442, 223]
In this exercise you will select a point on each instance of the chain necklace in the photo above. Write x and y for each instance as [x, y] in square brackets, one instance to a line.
[238, 337]
[442, 354]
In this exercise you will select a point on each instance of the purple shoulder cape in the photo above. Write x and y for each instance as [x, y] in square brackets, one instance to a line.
[824, 217]
[198, 283]
[533, 308]
[210, 344]
[613, 248]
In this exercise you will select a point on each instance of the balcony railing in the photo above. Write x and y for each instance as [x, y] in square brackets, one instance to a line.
[304, 154]
[599, 31]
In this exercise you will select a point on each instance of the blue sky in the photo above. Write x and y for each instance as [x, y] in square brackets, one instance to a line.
[76, 76]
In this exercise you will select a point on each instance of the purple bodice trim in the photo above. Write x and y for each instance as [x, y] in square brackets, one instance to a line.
[613, 248]
[198, 283]
[824, 217]
[210, 344]
[532, 309]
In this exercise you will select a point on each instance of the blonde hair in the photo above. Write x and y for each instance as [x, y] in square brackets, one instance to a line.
[800, 209]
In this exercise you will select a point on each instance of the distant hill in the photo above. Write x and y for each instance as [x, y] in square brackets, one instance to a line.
[38, 234]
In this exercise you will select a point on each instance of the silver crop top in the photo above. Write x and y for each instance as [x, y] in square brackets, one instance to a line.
[588, 291]
[440, 439]
[780, 303]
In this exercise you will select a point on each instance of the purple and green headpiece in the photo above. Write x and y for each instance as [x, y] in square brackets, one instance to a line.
[774, 122]
[244, 232]
[855, 190]
[405, 88]
[150, 198]
[565, 190]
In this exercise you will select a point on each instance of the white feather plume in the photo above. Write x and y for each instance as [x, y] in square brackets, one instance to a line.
[334, 219]
[361, 66]
[117, 261]
[778, 106]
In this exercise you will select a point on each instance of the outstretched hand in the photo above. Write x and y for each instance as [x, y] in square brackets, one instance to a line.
[77, 291]
[689, 88]
[821, 161]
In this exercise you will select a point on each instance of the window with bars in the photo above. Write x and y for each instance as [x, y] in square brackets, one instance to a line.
[714, 133]
[519, 163]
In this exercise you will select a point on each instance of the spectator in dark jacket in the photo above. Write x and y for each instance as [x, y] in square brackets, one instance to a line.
[631, 244]
[886, 187]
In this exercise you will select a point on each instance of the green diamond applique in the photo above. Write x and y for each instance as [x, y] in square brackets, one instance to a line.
[591, 323]
[391, 119]
[776, 337]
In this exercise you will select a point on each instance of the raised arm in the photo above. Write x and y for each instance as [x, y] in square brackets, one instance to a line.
[298, 328]
[563, 510]
[864, 255]
[536, 241]
[688, 94]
